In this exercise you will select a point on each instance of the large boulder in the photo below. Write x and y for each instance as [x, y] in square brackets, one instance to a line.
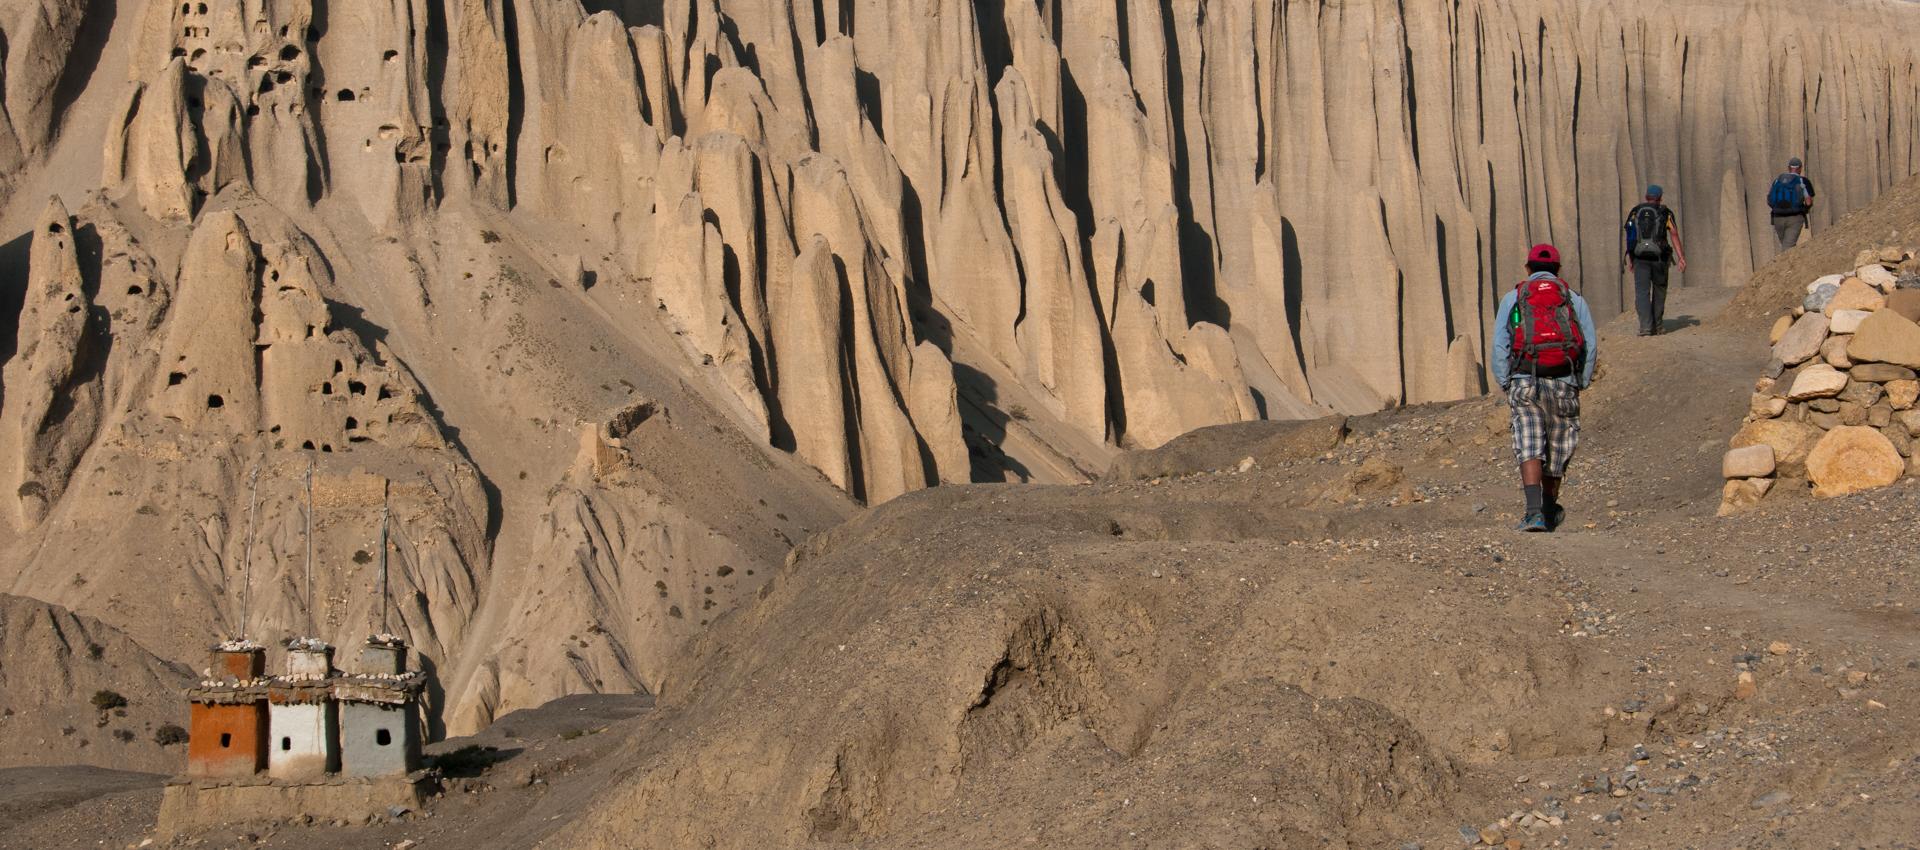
[1906, 302]
[1802, 341]
[1855, 295]
[1885, 337]
[1850, 459]
[1791, 442]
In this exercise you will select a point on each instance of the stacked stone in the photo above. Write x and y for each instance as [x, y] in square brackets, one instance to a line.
[1835, 409]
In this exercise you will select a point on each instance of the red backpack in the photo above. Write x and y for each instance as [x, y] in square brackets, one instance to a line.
[1546, 337]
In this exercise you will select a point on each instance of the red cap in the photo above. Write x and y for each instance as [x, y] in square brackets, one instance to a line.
[1544, 253]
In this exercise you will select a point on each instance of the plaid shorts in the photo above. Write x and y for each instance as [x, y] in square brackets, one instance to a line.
[1546, 421]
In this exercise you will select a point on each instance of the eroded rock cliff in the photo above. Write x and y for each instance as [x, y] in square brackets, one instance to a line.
[445, 252]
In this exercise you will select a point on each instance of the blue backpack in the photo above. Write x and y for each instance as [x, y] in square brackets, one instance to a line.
[1789, 194]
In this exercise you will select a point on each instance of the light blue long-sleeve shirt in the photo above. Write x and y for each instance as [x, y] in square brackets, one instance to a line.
[1501, 355]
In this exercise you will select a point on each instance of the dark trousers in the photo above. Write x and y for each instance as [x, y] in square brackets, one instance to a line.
[1650, 294]
[1787, 229]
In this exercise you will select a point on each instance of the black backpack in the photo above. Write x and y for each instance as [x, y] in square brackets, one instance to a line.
[1649, 233]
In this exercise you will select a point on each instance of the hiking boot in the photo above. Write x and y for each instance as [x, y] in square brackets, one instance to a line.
[1556, 515]
[1535, 523]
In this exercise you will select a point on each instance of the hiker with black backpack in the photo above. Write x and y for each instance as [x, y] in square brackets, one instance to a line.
[1790, 199]
[1653, 244]
[1544, 351]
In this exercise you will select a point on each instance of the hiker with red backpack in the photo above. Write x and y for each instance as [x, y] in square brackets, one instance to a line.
[1790, 200]
[1544, 351]
[1653, 244]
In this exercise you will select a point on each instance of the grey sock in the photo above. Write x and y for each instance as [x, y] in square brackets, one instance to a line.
[1535, 498]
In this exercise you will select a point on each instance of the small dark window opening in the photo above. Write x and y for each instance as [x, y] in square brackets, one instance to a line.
[384, 394]
[174, 378]
[286, 744]
[390, 55]
[201, 8]
[289, 53]
[352, 423]
[56, 227]
[134, 290]
[226, 739]
[356, 388]
[339, 367]
[345, 95]
[215, 401]
[383, 737]
[326, 448]
[326, 388]
[282, 77]
[307, 444]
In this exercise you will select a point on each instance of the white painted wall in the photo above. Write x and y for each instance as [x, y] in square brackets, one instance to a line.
[300, 741]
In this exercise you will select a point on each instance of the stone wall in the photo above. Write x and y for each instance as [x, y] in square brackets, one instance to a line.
[188, 806]
[1835, 409]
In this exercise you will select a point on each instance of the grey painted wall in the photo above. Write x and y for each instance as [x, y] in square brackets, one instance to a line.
[362, 752]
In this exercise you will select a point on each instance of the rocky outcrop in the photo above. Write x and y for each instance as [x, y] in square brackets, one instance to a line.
[51, 406]
[1836, 407]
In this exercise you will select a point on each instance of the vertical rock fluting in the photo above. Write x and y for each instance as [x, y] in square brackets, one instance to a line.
[1341, 188]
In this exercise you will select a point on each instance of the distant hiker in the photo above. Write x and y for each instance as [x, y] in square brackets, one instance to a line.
[1544, 351]
[1653, 243]
[1790, 199]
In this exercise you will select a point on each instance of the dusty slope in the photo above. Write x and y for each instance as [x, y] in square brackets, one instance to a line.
[1329, 648]
[53, 663]
[1893, 219]
[1174, 660]
[840, 251]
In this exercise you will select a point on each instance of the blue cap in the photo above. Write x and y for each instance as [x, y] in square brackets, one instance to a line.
[1653, 190]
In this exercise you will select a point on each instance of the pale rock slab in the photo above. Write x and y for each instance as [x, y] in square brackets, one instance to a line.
[1817, 381]
[1750, 462]
[1847, 321]
[1876, 276]
[1802, 341]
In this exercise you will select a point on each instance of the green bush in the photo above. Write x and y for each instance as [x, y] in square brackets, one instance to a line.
[169, 734]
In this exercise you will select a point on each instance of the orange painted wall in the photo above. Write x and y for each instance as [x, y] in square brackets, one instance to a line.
[240, 665]
[244, 728]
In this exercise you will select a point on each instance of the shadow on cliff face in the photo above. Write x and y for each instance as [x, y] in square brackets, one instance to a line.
[984, 427]
[14, 266]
